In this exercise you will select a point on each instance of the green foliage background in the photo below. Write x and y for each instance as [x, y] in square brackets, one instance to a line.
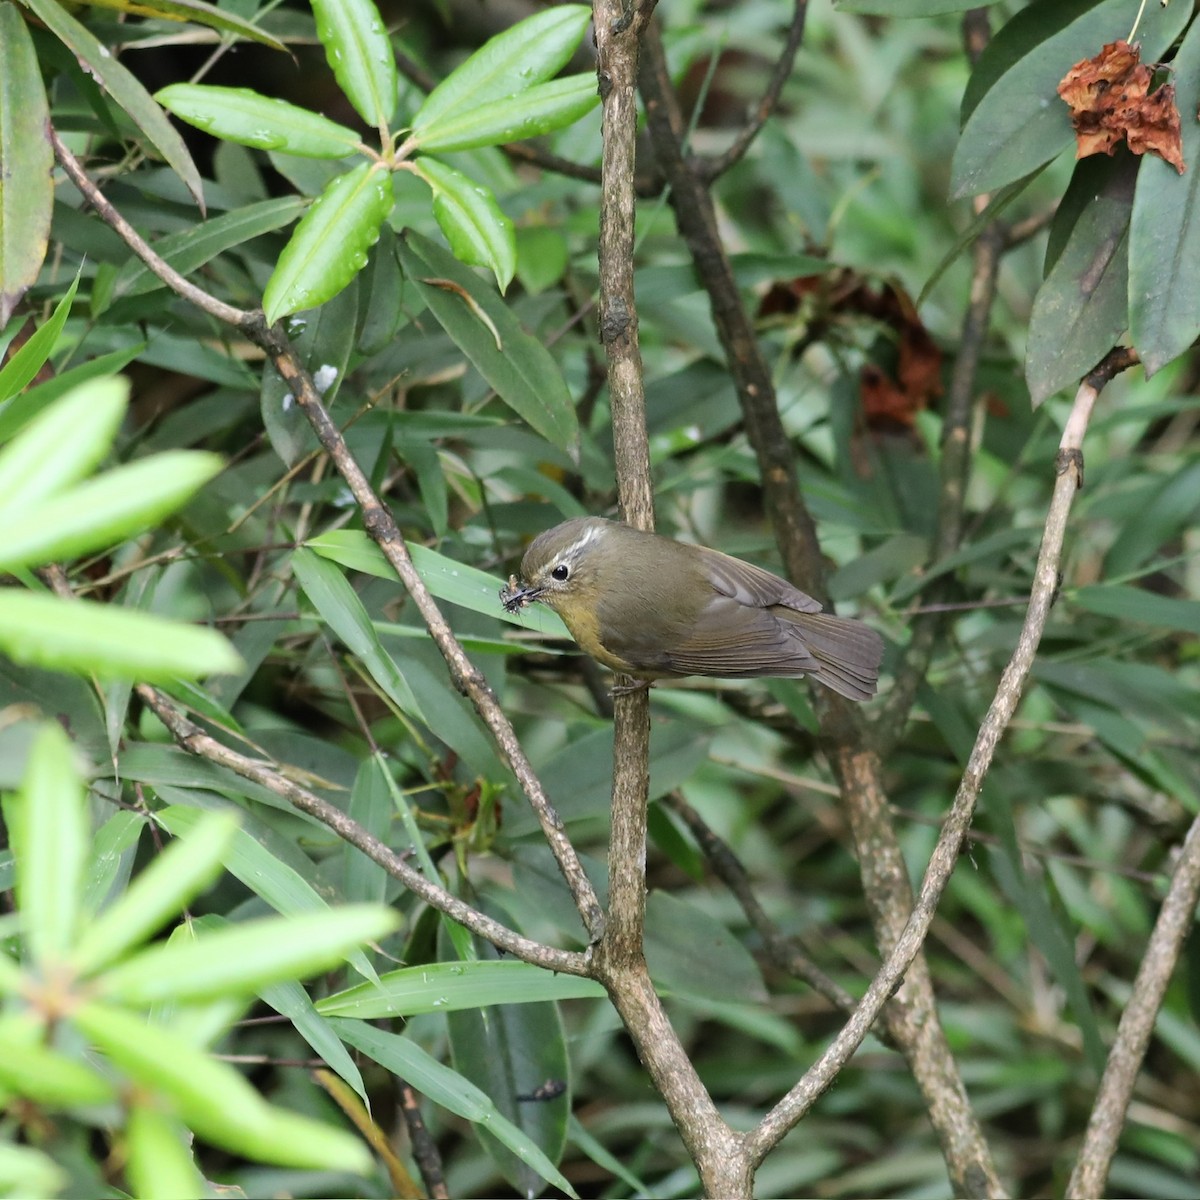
[1044, 922]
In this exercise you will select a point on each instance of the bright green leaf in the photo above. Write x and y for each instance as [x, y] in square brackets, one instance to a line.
[529, 53]
[242, 115]
[468, 214]
[247, 957]
[530, 113]
[446, 986]
[159, 1160]
[330, 244]
[64, 635]
[32, 1070]
[26, 362]
[360, 56]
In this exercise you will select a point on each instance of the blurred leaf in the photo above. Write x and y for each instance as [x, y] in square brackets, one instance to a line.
[474, 224]
[249, 118]
[48, 827]
[909, 8]
[60, 445]
[246, 957]
[40, 1075]
[183, 870]
[330, 244]
[196, 11]
[360, 56]
[1164, 234]
[213, 1099]
[160, 1162]
[114, 643]
[123, 86]
[520, 368]
[529, 53]
[27, 156]
[1137, 604]
[454, 985]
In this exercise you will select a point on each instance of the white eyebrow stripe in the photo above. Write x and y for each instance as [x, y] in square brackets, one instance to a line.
[588, 536]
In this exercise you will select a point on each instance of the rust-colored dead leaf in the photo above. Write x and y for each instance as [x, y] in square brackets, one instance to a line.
[1111, 102]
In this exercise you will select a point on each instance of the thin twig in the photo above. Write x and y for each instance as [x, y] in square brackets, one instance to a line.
[1069, 478]
[713, 168]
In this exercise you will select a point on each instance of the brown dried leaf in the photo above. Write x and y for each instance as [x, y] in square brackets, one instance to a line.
[1110, 101]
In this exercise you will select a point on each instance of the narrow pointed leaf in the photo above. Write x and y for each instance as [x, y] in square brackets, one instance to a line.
[330, 244]
[102, 511]
[161, 891]
[29, 360]
[123, 86]
[242, 115]
[26, 182]
[33, 1071]
[159, 1162]
[196, 11]
[520, 368]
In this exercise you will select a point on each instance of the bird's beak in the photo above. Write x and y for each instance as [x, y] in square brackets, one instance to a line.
[515, 595]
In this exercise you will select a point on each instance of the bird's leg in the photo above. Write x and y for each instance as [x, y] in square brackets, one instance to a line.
[632, 685]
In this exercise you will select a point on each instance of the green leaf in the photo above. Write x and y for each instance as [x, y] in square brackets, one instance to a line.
[161, 891]
[278, 883]
[509, 1052]
[530, 113]
[196, 11]
[114, 643]
[34, 355]
[1137, 604]
[26, 183]
[213, 1099]
[123, 86]
[40, 1075]
[360, 56]
[1020, 122]
[446, 578]
[1164, 233]
[448, 986]
[102, 511]
[330, 244]
[340, 608]
[190, 249]
[520, 368]
[242, 959]
[468, 214]
[529, 53]
[908, 8]
[403, 1057]
[49, 829]
[60, 446]
[242, 115]
[1082, 307]
[159, 1162]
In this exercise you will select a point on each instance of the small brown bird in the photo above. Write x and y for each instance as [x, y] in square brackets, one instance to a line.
[653, 608]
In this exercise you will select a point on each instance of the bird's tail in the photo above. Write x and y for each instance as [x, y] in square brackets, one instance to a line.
[849, 652]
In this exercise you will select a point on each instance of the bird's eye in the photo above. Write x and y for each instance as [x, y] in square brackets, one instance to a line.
[561, 572]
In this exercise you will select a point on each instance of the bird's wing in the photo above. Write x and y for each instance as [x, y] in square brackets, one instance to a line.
[734, 641]
[752, 586]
